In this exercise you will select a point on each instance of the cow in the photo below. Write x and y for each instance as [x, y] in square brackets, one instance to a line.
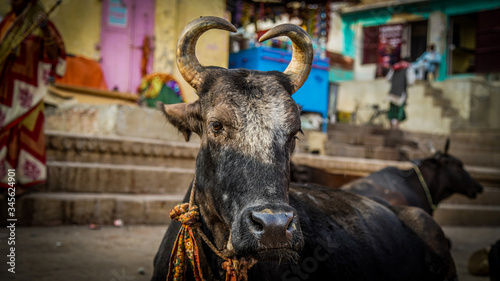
[248, 209]
[430, 181]
[494, 261]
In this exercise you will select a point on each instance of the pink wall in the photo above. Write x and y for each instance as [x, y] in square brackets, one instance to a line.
[125, 23]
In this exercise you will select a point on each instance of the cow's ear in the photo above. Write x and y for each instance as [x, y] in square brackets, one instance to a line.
[185, 117]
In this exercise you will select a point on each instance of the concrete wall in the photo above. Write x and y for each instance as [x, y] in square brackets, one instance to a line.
[422, 115]
[335, 41]
[113, 120]
[166, 32]
[79, 23]
[458, 91]
[170, 18]
[476, 99]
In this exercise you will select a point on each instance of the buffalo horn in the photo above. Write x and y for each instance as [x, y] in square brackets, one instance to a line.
[447, 145]
[189, 66]
[300, 66]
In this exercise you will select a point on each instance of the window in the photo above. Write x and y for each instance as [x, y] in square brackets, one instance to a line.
[370, 44]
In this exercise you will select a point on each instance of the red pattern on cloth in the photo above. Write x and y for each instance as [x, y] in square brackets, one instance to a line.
[31, 170]
[25, 97]
[23, 79]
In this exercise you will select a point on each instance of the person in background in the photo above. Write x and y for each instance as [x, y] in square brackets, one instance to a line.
[400, 76]
[25, 71]
[428, 62]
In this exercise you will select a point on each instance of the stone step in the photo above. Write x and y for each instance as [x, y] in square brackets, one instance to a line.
[357, 145]
[345, 137]
[430, 91]
[113, 178]
[489, 138]
[346, 165]
[478, 140]
[363, 151]
[490, 196]
[118, 120]
[488, 176]
[102, 208]
[111, 149]
[491, 159]
[471, 215]
[440, 101]
[448, 111]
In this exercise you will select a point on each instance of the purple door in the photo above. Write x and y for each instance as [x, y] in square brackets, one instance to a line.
[125, 25]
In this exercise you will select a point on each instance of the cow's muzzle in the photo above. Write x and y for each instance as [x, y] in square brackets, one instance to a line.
[268, 232]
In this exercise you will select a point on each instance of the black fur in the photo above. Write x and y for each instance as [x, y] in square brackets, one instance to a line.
[443, 174]
[347, 237]
[336, 236]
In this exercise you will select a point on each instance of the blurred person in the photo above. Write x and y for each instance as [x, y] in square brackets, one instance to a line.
[427, 63]
[25, 71]
[386, 58]
[400, 76]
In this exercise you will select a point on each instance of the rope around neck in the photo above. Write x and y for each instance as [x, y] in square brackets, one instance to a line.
[185, 246]
[424, 186]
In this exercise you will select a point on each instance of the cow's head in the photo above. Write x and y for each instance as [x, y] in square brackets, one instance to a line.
[247, 122]
[449, 175]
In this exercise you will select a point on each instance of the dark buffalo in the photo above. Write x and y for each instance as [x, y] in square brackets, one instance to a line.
[247, 122]
[442, 173]
[494, 261]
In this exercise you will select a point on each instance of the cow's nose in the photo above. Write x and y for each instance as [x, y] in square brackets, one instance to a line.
[273, 229]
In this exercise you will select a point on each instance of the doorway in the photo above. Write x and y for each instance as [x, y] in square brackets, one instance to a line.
[418, 39]
[463, 44]
[126, 42]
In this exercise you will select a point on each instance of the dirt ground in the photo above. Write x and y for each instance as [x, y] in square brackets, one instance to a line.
[126, 254]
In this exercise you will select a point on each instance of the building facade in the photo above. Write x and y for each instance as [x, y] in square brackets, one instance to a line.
[464, 33]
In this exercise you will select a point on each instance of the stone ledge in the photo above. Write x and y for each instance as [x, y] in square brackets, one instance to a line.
[490, 196]
[142, 151]
[461, 214]
[63, 146]
[76, 208]
[120, 120]
[346, 165]
[102, 178]
[363, 167]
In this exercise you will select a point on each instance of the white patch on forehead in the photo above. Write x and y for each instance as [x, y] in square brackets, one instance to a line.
[266, 120]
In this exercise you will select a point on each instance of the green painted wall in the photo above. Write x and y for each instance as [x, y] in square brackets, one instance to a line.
[339, 75]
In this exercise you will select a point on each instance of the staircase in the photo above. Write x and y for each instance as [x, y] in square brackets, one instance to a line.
[108, 173]
[428, 109]
[479, 150]
[98, 179]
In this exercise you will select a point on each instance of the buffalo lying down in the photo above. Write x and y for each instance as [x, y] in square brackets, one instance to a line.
[443, 175]
[247, 122]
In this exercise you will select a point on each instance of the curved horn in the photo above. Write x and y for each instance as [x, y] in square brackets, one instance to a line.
[189, 67]
[302, 56]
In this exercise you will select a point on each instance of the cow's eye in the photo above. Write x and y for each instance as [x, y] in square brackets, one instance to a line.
[216, 127]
